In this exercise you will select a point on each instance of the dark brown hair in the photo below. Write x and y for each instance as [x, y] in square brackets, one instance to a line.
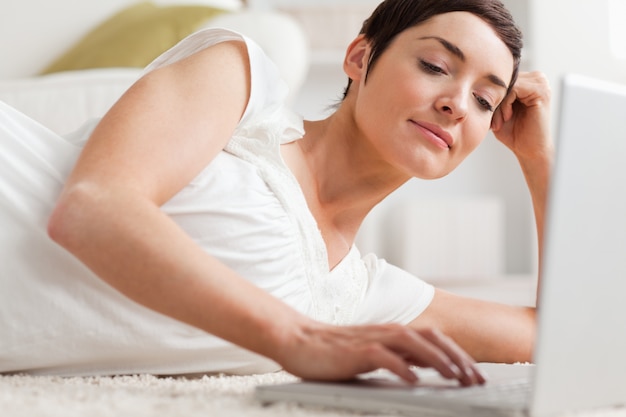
[392, 17]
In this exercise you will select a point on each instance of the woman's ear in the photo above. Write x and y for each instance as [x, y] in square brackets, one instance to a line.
[355, 62]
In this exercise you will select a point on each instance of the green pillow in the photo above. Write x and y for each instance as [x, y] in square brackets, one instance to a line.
[133, 37]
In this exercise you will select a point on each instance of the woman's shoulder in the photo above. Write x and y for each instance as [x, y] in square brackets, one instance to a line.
[267, 88]
[192, 44]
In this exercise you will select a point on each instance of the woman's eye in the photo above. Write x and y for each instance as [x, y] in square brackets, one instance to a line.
[431, 68]
[483, 103]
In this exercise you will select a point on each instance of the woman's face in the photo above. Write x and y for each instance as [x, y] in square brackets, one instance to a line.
[429, 99]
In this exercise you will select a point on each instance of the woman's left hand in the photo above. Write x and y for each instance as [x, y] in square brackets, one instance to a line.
[522, 121]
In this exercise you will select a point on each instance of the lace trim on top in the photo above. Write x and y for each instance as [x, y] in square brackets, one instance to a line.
[335, 294]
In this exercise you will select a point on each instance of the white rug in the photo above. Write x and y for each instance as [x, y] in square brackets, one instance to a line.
[145, 396]
[149, 396]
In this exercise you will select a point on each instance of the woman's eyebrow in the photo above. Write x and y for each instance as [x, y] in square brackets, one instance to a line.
[456, 51]
[497, 81]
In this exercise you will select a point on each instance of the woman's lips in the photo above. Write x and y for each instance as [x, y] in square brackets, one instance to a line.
[435, 134]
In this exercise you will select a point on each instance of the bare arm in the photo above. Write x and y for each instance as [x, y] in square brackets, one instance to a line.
[489, 331]
[156, 139]
[153, 142]
[522, 123]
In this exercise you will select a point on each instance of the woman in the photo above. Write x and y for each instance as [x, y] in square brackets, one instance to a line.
[208, 229]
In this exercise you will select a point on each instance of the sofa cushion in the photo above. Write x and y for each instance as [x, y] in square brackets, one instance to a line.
[134, 36]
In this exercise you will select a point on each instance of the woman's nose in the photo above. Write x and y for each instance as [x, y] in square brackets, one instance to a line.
[453, 104]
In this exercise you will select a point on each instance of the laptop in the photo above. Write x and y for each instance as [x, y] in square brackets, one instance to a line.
[580, 353]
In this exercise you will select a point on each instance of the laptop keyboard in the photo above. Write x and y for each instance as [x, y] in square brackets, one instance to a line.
[514, 393]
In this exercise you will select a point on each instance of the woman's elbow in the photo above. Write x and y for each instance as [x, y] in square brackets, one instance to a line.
[67, 223]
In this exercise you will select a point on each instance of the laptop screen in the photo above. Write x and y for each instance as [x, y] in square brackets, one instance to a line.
[582, 330]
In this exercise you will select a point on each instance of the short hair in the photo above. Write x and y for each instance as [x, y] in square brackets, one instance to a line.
[392, 17]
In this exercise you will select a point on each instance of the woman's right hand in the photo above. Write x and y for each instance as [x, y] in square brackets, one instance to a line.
[325, 352]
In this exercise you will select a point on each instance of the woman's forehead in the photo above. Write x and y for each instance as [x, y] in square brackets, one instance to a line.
[466, 36]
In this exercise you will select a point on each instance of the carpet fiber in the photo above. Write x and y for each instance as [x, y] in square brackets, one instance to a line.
[149, 396]
[145, 396]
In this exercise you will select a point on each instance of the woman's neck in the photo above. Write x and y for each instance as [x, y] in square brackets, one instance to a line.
[341, 176]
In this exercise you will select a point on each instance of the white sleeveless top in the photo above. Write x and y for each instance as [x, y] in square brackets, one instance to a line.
[245, 208]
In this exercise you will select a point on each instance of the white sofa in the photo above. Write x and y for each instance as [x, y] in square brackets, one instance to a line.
[63, 101]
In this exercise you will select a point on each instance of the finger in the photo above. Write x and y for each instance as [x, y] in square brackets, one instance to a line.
[451, 367]
[408, 345]
[422, 352]
[497, 121]
[506, 108]
[383, 358]
[532, 88]
[470, 373]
